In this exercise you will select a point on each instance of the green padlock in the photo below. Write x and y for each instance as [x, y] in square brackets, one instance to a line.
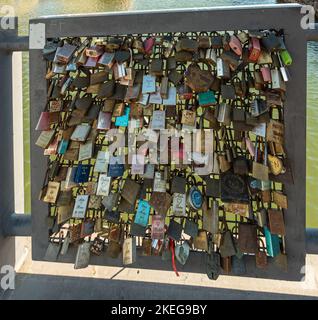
[286, 58]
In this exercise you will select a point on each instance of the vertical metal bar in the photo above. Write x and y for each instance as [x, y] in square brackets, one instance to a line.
[6, 129]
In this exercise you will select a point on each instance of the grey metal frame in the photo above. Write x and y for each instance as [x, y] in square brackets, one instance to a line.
[225, 18]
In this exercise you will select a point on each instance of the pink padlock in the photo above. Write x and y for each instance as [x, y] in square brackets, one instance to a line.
[148, 45]
[236, 45]
[266, 74]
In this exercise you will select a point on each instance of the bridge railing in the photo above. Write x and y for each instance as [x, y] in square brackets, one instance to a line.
[285, 17]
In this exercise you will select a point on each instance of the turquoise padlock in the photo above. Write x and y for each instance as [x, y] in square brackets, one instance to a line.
[206, 98]
[272, 243]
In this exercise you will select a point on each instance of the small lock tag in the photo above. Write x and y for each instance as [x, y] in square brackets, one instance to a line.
[242, 209]
[188, 118]
[158, 120]
[130, 191]
[222, 69]
[75, 232]
[142, 214]
[97, 246]
[138, 164]
[65, 245]
[158, 227]
[174, 230]
[52, 251]
[182, 252]
[91, 188]
[129, 251]
[161, 202]
[103, 186]
[114, 249]
[104, 120]
[254, 49]
[280, 199]
[146, 247]
[94, 202]
[191, 228]
[123, 120]
[275, 132]
[52, 192]
[262, 217]
[111, 201]
[81, 132]
[272, 243]
[247, 238]
[85, 151]
[206, 98]
[82, 256]
[276, 222]
[112, 216]
[148, 84]
[210, 221]
[179, 204]
[201, 240]
[223, 113]
[64, 213]
[80, 207]
[159, 184]
[102, 161]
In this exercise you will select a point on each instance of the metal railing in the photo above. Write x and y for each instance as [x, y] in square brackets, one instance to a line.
[286, 17]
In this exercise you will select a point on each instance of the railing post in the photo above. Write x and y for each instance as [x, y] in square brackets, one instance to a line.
[10, 224]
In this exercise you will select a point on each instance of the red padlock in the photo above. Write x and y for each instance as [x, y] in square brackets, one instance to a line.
[236, 45]
[254, 49]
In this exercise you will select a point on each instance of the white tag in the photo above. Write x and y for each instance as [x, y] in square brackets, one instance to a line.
[37, 36]
[85, 151]
[129, 251]
[158, 121]
[150, 135]
[80, 206]
[148, 84]
[155, 98]
[81, 132]
[159, 185]
[172, 97]
[144, 98]
[103, 185]
[179, 204]
[260, 130]
[102, 160]
[138, 164]
[69, 180]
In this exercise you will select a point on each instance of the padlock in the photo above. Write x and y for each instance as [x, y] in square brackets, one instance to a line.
[223, 113]
[210, 220]
[194, 197]
[260, 171]
[236, 45]
[254, 49]
[261, 256]
[222, 69]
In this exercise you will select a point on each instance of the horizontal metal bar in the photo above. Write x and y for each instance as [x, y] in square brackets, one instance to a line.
[17, 225]
[15, 44]
[312, 34]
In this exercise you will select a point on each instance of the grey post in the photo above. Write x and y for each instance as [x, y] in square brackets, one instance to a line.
[10, 224]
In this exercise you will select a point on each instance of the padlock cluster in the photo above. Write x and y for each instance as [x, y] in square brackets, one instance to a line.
[168, 145]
